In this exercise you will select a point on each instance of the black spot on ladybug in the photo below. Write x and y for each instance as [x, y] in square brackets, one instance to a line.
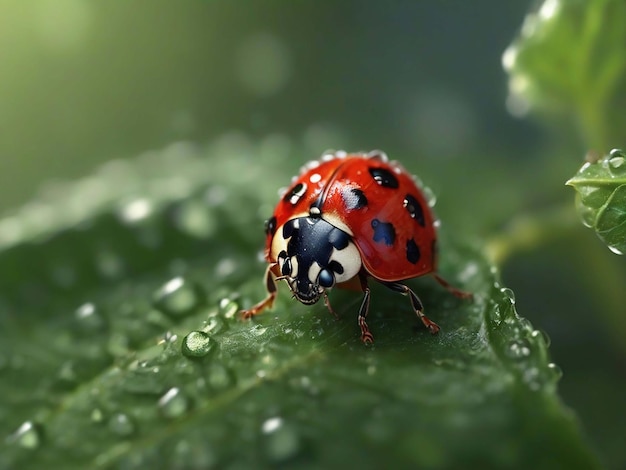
[412, 252]
[338, 239]
[414, 208]
[384, 177]
[270, 226]
[383, 232]
[354, 198]
[295, 194]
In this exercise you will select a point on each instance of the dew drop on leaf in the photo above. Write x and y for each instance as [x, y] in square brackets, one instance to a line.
[89, 318]
[431, 197]
[197, 344]
[173, 403]
[508, 294]
[29, 435]
[215, 324]
[617, 162]
[136, 211]
[518, 349]
[536, 334]
[121, 425]
[228, 307]
[282, 440]
[555, 371]
[177, 297]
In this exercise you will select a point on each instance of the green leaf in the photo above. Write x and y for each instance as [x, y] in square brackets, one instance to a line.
[569, 59]
[601, 198]
[120, 345]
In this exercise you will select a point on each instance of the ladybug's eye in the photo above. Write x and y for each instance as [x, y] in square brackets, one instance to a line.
[326, 278]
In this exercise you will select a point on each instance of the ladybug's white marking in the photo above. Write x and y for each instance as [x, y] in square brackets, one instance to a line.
[350, 260]
[315, 178]
[297, 192]
[314, 271]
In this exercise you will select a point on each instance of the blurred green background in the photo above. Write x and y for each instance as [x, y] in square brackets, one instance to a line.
[85, 82]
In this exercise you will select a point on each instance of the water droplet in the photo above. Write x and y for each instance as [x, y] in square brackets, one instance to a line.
[258, 330]
[272, 424]
[616, 250]
[215, 325]
[518, 349]
[555, 371]
[228, 308]
[197, 344]
[177, 297]
[29, 435]
[431, 198]
[89, 318]
[508, 293]
[282, 440]
[194, 219]
[617, 161]
[136, 211]
[174, 403]
[121, 425]
[536, 334]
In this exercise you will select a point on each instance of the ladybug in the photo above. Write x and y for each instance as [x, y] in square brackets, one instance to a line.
[347, 218]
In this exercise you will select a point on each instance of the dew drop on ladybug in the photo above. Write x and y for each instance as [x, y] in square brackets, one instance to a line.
[345, 220]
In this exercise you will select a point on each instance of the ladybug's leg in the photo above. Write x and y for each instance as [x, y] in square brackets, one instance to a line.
[328, 306]
[461, 294]
[366, 336]
[416, 303]
[267, 302]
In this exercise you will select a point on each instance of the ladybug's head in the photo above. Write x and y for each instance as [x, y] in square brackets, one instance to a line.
[313, 255]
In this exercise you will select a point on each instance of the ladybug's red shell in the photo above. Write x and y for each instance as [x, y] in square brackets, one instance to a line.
[374, 201]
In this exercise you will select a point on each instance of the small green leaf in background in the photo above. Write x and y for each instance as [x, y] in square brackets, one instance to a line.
[570, 60]
[601, 198]
[120, 346]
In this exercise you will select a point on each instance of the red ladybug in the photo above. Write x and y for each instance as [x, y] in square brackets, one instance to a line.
[346, 218]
